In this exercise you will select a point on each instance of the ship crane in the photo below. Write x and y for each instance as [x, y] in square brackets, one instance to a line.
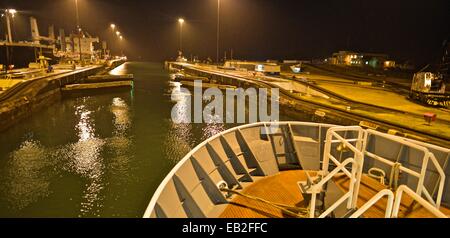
[36, 37]
[429, 85]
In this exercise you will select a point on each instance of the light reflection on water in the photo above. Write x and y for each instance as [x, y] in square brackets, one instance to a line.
[180, 134]
[86, 160]
[184, 135]
[26, 181]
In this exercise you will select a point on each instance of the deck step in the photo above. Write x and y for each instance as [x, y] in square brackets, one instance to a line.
[242, 177]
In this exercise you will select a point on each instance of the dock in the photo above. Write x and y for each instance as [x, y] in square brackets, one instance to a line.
[208, 85]
[23, 97]
[77, 89]
[327, 98]
[108, 78]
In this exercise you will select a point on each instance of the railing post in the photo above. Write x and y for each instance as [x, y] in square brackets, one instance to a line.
[422, 173]
[327, 151]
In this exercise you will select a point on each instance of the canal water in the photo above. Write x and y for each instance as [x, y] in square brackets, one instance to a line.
[96, 156]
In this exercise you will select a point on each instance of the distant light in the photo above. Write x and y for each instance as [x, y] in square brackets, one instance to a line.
[259, 68]
[118, 33]
[121, 37]
[12, 11]
[113, 26]
[181, 20]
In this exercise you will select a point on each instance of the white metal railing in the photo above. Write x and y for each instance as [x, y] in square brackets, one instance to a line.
[317, 188]
[405, 189]
[427, 156]
[359, 150]
[354, 175]
[383, 193]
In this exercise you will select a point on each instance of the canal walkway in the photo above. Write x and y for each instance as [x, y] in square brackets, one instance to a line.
[38, 91]
[373, 103]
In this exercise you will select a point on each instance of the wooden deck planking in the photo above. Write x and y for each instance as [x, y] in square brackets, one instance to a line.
[369, 187]
[281, 188]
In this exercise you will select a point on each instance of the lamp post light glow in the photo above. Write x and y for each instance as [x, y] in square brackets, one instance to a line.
[9, 13]
[113, 26]
[181, 21]
[118, 33]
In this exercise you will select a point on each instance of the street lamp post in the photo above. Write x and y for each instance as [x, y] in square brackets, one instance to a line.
[218, 30]
[121, 46]
[113, 28]
[78, 29]
[181, 21]
[9, 13]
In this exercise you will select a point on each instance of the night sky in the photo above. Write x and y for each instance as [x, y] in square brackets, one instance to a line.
[254, 29]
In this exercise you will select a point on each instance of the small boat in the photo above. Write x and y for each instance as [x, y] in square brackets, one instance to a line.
[306, 170]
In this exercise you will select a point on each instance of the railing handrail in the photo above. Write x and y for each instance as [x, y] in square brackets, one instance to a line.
[427, 156]
[375, 199]
[405, 189]
[357, 164]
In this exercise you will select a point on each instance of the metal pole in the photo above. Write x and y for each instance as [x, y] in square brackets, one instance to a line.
[8, 39]
[218, 30]
[78, 29]
[181, 37]
[8, 25]
[77, 16]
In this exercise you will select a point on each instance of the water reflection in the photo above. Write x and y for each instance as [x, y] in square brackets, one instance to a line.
[86, 160]
[27, 179]
[211, 129]
[177, 142]
[183, 135]
[121, 116]
[119, 145]
[32, 167]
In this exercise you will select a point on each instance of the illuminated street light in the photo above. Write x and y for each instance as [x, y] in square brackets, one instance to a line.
[113, 26]
[79, 30]
[9, 13]
[181, 21]
[120, 37]
[118, 33]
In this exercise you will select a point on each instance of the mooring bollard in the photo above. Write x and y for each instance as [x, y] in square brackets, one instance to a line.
[429, 117]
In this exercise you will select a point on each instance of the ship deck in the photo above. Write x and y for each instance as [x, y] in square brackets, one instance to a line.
[282, 188]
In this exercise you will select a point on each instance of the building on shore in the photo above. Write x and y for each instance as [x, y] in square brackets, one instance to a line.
[351, 58]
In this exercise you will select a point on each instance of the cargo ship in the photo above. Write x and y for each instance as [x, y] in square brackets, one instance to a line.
[20, 54]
